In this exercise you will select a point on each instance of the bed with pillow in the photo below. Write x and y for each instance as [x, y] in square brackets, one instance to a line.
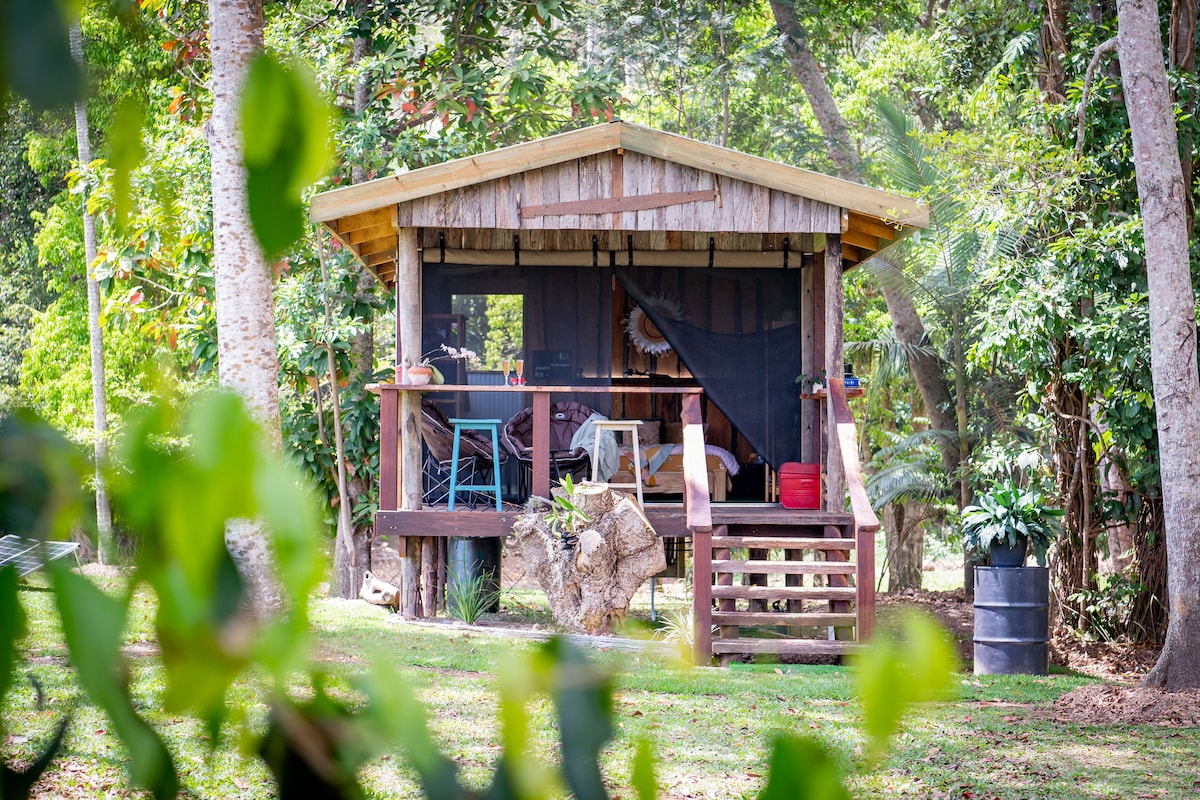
[662, 461]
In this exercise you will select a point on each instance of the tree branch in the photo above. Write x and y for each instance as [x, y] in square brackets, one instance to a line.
[1081, 112]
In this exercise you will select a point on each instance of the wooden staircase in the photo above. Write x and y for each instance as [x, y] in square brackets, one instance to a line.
[784, 581]
[807, 578]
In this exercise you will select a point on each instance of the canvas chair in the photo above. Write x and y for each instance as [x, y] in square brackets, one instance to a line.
[565, 419]
[474, 457]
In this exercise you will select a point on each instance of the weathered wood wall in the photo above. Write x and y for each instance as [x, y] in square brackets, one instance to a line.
[737, 206]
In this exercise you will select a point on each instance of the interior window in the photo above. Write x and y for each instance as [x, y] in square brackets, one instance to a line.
[494, 327]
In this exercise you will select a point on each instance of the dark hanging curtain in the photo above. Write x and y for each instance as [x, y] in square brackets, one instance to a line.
[738, 333]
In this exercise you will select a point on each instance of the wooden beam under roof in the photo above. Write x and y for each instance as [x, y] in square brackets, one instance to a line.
[859, 239]
[367, 219]
[384, 244]
[367, 234]
[865, 224]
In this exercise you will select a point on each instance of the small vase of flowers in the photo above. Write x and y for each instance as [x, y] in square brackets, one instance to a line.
[424, 371]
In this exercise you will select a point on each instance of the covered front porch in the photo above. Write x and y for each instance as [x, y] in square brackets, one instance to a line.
[720, 251]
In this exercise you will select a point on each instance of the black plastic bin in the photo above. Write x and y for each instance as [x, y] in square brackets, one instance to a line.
[1012, 620]
[468, 559]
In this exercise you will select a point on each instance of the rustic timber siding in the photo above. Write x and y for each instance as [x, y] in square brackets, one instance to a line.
[742, 207]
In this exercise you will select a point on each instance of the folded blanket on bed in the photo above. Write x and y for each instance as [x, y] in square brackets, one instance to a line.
[655, 456]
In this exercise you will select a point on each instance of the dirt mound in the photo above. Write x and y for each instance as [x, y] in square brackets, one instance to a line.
[1105, 704]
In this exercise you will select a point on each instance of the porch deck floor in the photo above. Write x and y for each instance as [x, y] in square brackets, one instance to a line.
[668, 519]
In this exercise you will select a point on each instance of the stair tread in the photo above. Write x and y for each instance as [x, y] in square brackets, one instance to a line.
[779, 541]
[788, 618]
[814, 647]
[771, 514]
[784, 592]
[759, 567]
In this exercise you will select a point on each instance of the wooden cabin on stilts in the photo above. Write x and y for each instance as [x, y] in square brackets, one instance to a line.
[737, 263]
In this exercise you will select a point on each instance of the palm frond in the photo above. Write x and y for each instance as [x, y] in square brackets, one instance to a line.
[904, 446]
[907, 481]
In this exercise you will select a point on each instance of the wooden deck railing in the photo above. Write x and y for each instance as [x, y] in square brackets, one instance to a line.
[841, 423]
[699, 522]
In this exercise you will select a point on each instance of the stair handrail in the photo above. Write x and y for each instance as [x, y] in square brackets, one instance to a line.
[698, 515]
[866, 523]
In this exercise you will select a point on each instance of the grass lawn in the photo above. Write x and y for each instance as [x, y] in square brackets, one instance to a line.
[996, 739]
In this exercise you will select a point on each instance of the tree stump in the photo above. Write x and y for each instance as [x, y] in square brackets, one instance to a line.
[590, 575]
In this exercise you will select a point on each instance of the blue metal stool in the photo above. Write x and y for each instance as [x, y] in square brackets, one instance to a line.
[493, 428]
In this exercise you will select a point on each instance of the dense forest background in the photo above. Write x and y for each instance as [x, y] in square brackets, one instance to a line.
[1008, 342]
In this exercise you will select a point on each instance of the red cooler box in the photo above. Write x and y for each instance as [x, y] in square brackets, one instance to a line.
[800, 485]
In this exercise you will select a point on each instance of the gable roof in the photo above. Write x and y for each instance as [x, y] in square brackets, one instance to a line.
[884, 206]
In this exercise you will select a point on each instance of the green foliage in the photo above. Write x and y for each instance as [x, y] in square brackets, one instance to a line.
[94, 627]
[911, 663]
[41, 493]
[56, 368]
[1005, 515]
[285, 142]
[36, 60]
[802, 769]
[468, 598]
[564, 517]
[127, 153]
[643, 779]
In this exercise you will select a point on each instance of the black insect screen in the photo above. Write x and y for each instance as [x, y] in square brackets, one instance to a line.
[738, 333]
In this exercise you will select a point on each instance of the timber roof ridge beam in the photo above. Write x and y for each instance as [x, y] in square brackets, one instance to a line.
[593, 140]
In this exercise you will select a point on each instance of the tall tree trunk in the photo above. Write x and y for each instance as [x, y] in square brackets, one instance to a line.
[926, 371]
[905, 547]
[1181, 54]
[1120, 534]
[837, 134]
[105, 551]
[1055, 45]
[352, 557]
[1172, 331]
[246, 349]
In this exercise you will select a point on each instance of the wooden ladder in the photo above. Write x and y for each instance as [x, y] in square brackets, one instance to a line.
[796, 592]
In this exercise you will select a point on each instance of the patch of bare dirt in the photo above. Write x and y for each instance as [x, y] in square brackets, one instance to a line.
[1108, 704]
[951, 609]
[1112, 661]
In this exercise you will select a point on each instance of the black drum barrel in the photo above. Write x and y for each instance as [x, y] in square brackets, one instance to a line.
[1012, 620]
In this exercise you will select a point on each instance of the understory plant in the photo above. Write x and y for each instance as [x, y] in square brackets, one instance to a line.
[1007, 514]
[468, 598]
[564, 517]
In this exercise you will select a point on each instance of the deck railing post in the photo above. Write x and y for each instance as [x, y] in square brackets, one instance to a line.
[841, 423]
[699, 522]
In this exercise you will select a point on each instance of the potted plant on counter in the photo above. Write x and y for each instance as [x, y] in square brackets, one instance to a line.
[424, 371]
[1007, 521]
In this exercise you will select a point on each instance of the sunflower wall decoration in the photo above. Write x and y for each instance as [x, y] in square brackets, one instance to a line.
[642, 331]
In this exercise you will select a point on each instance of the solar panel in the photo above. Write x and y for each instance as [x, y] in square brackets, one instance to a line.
[29, 555]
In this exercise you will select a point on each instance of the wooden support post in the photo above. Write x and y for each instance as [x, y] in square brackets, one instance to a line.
[724, 579]
[541, 444]
[429, 555]
[389, 463]
[810, 412]
[699, 522]
[408, 353]
[389, 475]
[835, 493]
[442, 553]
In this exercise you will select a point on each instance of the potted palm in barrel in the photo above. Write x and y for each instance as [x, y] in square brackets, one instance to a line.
[1007, 522]
[1012, 601]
